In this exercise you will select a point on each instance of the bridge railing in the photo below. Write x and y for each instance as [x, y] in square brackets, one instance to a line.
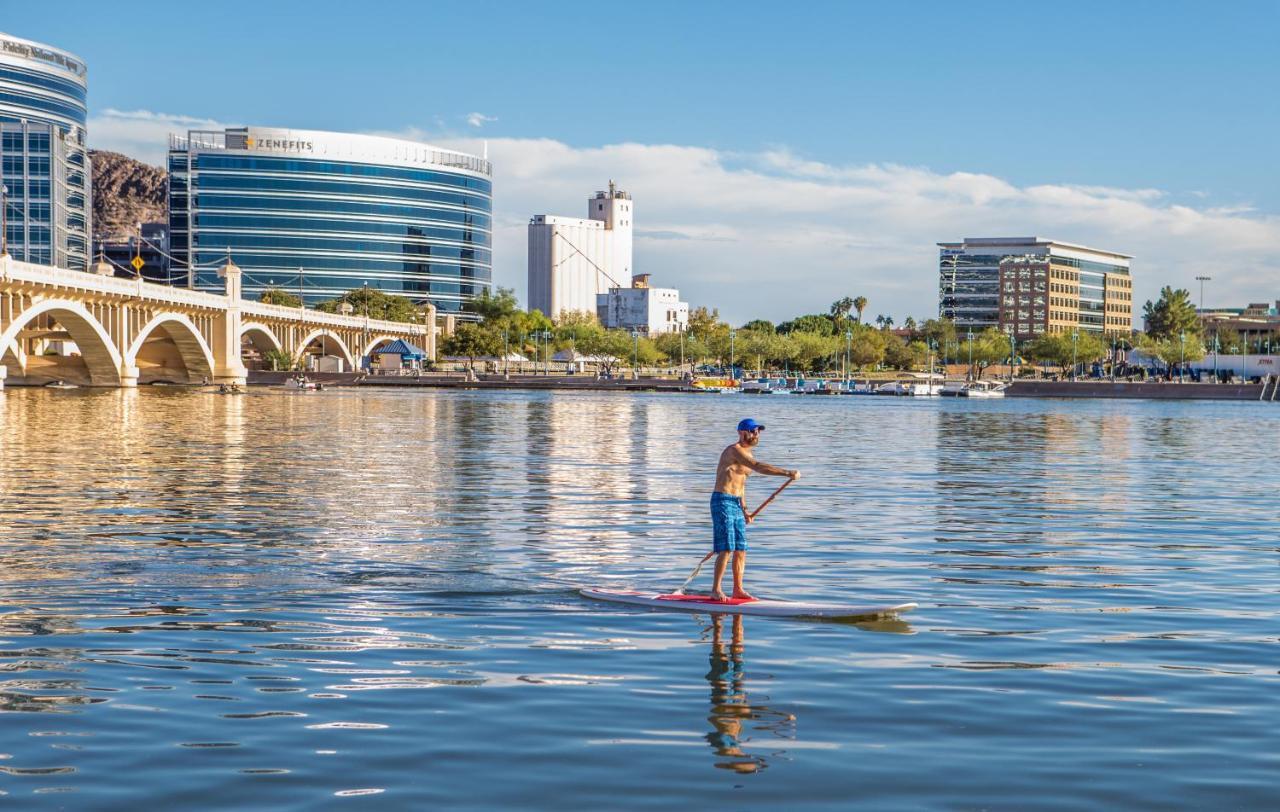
[321, 318]
[25, 272]
[12, 270]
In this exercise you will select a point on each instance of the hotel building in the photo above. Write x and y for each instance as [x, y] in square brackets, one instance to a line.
[573, 260]
[44, 168]
[1028, 286]
[320, 213]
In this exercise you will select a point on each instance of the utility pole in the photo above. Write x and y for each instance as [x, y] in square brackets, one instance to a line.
[4, 221]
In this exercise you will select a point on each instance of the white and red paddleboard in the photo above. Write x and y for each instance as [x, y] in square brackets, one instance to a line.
[751, 606]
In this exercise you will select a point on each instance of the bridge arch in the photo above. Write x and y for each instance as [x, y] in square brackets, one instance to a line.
[372, 345]
[99, 352]
[260, 336]
[195, 352]
[328, 339]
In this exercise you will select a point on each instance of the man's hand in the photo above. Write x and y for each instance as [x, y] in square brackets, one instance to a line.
[747, 516]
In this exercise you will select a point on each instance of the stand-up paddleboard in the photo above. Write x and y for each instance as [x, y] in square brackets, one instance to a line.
[752, 606]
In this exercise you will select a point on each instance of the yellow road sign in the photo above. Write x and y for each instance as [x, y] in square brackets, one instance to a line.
[137, 263]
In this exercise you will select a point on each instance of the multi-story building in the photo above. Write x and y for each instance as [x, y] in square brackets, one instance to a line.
[1029, 286]
[320, 213]
[44, 168]
[573, 260]
[650, 311]
[1258, 319]
[149, 248]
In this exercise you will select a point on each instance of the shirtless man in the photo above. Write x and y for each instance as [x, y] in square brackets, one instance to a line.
[729, 517]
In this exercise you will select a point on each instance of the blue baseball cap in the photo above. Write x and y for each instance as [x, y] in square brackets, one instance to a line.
[750, 425]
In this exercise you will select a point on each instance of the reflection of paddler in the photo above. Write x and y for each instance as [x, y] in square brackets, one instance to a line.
[730, 705]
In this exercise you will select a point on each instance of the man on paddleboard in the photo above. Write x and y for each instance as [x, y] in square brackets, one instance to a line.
[729, 517]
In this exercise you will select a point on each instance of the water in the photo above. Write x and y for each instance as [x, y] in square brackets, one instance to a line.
[363, 598]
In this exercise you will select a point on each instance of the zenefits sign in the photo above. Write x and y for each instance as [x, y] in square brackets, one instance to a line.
[278, 144]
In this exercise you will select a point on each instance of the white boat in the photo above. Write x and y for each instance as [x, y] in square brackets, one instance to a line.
[954, 389]
[985, 389]
[914, 384]
[765, 386]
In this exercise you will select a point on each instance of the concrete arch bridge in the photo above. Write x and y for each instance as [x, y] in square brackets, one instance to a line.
[103, 331]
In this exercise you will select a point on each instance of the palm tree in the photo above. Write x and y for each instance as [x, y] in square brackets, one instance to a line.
[888, 322]
[860, 304]
[880, 320]
[840, 307]
[910, 324]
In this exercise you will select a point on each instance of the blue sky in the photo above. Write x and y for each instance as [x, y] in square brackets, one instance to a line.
[1171, 103]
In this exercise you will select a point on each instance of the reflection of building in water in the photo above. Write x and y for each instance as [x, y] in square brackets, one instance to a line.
[1015, 477]
[587, 471]
[734, 718]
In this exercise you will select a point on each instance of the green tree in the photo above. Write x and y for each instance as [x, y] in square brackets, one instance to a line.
[910, 324]
[819, 323]
[840, 308]
[280, 360]
[1171, 315]
[989, 347]
[277, 296]
[760, 326]
[374, 303]
[704, 323]
[860, 304]
[1175, 350]
[867, 347]
[941, 332]
[472, 341]
[813, 350]
[899, 354]
[494, 307]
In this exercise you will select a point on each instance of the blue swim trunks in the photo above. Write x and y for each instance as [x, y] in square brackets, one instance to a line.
[728, 525]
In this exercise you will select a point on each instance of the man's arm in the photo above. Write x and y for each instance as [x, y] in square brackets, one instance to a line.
[765, 468]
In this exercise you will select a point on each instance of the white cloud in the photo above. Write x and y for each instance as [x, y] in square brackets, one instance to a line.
[479, 119]
[774, 235]
[142, 134]
[771, 235]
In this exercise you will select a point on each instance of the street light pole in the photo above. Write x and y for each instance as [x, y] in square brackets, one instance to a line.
[848, 343]
[732, 335]
[1013, 353]
[968, 375]
[1075, 338]
[1182, 348]
[4, 221]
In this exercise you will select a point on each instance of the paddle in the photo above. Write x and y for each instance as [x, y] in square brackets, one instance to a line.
[752, 517]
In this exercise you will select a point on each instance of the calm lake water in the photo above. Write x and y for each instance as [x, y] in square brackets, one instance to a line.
[367, 599]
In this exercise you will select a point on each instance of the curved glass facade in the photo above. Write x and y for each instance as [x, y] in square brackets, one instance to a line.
[43, 163]
[352, 210]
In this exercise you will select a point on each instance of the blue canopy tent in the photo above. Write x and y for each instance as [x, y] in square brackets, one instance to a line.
[410, 355]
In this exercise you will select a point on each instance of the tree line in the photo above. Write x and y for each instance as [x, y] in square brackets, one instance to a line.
[835, 341]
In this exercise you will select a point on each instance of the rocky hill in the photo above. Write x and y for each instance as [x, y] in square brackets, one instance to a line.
[125, 192]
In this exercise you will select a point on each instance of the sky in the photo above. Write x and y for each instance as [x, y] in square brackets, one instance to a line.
[780, 157]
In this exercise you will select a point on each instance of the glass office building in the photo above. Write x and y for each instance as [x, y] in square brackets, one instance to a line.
[318, 214]
[1028, 286]
[44, 168]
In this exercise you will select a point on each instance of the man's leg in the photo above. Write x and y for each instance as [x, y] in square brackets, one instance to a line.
[722, 562]
[739, 569]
